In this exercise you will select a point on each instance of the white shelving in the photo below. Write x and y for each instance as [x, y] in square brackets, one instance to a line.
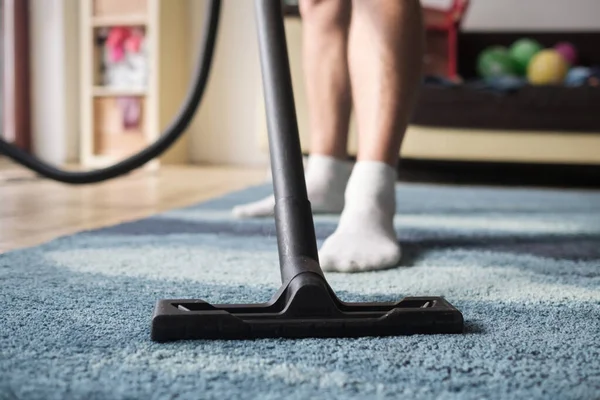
[106, 136]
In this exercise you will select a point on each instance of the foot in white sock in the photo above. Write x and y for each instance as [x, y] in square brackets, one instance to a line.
[365, 238]
[326, 179]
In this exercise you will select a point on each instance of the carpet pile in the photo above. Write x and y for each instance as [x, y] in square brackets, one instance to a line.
[522, 265]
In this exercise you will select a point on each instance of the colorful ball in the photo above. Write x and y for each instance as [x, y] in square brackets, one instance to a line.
[578, 76]
[522, 51]
[568, 51]
[494, 62]
[547, 67]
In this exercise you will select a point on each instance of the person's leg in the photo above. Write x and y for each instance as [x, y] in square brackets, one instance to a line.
[325, 44]
[325, 27]
[386, 55]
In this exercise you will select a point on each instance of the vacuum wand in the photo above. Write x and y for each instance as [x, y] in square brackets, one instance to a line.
[295, 227]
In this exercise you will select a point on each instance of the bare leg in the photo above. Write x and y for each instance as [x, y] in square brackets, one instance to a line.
[385, 53]
[327, 78]
[325, 48]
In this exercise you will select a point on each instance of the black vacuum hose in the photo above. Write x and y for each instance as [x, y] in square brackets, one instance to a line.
[169, 136]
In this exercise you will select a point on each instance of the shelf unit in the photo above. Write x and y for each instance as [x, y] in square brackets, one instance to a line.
[105, 136]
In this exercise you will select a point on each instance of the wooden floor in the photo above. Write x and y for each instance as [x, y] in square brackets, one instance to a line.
[33, 211]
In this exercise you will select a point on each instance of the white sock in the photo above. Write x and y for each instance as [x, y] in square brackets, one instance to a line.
[365, 238]
[326, 179]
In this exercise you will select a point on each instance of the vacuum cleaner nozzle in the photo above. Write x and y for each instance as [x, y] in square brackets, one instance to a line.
[305, 307]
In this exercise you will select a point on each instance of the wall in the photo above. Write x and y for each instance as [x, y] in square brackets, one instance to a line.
[522, 15]
[226, 130]
[536, 15]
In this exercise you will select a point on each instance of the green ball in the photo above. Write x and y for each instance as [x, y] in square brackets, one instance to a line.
[522, 51]
[495, 62]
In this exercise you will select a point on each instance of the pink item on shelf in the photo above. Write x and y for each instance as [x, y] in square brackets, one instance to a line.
[131, 108]
[114, 43]
[122, 39]
[568, 51]
[116, 36]
[133, 43]
[116, 53]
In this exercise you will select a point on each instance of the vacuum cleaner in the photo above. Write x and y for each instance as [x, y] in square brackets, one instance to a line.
[305, 305]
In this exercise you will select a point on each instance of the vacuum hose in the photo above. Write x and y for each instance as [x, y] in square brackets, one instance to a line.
[169, 136]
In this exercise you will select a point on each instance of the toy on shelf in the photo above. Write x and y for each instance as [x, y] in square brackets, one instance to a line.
[521, 53]
[529, 62]
[548, 67]
[495, 62]
[567, 51]
[578, 76]
[124, 57]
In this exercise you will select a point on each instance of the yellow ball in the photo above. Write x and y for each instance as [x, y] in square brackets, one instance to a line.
[547, 67]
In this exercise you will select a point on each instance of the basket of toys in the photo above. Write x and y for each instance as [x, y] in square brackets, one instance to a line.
[524, 83]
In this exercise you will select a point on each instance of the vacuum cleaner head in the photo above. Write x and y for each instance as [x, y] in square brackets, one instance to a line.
[306, 307]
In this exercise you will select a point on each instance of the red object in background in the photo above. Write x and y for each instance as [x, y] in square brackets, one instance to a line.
[133, 44]
[442, 27]
[121, 39]
[115, 43]
[116, 36]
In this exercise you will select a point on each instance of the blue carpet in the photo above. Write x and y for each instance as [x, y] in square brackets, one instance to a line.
[523, 266]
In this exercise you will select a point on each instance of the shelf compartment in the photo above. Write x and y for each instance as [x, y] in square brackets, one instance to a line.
[114, 136]
[120, 41]
[131, 69]
[119, 8]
